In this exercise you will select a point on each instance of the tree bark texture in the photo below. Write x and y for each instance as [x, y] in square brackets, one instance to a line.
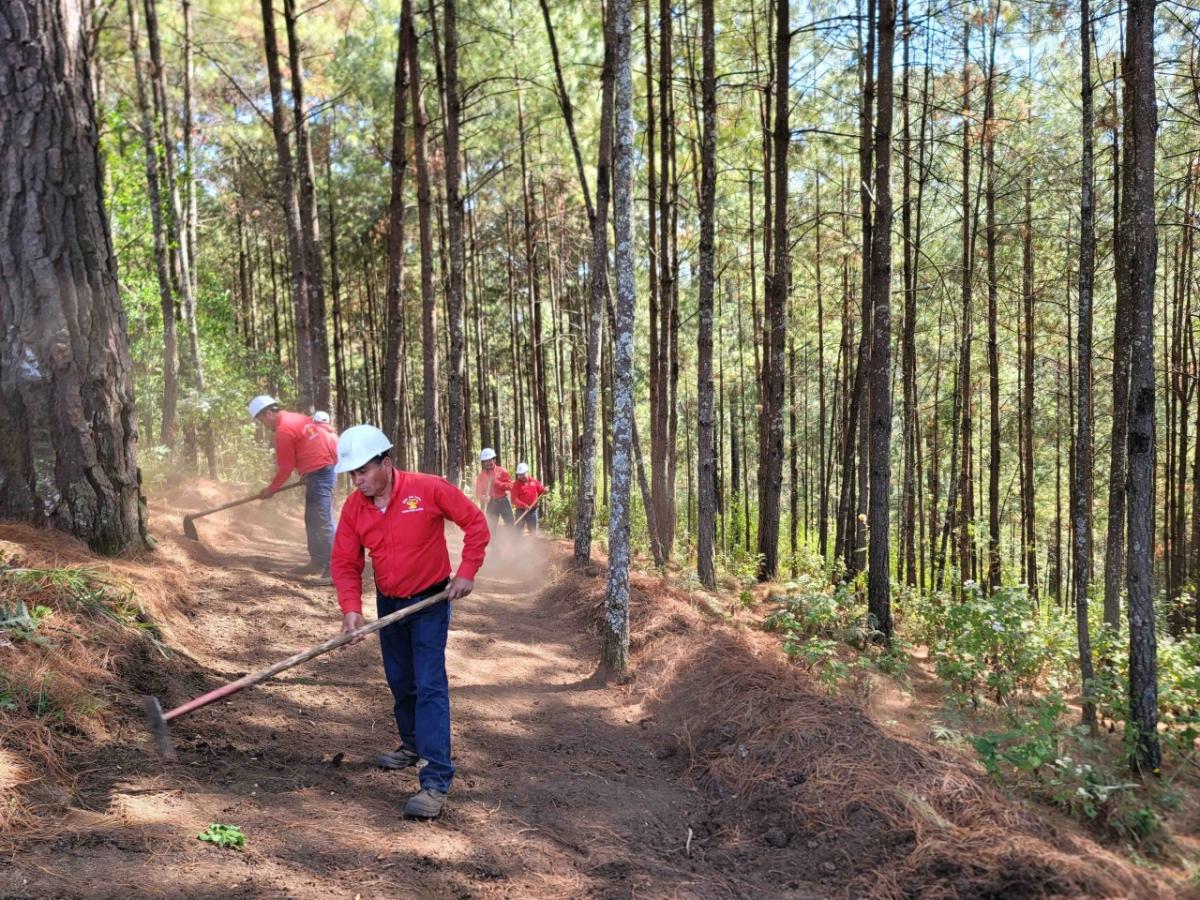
[68, 454]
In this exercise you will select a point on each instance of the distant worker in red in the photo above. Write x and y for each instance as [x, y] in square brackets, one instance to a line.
[311, 449]
[398, 518]
[526, 492]
[492, 485]
[322, 421]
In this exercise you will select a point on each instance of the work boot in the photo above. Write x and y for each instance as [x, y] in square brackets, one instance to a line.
[402, 758]
[324, 579]
[425, 804]
[309, 568]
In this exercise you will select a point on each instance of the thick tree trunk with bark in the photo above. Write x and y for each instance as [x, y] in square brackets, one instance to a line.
[770, 474]
[615, 652]
[1139, 247]
[68, 460]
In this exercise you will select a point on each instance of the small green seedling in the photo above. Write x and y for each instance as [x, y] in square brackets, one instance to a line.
[230, 836]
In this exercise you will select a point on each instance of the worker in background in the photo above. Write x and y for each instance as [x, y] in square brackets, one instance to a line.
[322, 421]
[304, 446]
[526, 492]
[398, 518]
[492, 485]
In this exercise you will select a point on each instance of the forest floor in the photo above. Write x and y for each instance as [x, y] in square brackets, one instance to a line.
[718, 770]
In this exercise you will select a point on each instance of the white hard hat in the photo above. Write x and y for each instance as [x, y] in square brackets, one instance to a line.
[522, 468]
[359, 445]
[261, 402]
[486, 454]
[321, 417]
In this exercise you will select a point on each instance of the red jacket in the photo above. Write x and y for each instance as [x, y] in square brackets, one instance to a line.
[407, 540]
[496, 480]
[302, 445]
[525, 493]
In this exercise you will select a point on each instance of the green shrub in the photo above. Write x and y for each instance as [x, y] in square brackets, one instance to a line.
[991, 645]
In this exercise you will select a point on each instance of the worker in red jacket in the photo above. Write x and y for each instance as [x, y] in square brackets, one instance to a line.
[305, 446]
[398, 518]
[526, 492]
[492, 485]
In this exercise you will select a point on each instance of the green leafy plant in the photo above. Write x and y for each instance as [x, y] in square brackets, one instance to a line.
[989, 645]
[228, 837]
[1039, 754]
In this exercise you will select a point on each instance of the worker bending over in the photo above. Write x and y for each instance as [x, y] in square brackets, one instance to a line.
[311, 449]
[398, 518]
[526, 492]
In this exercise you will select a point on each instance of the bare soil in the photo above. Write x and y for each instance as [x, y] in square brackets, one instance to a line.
[567, 785]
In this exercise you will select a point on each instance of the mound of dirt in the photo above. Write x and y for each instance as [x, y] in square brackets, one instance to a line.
[94, 637]
[848, 804]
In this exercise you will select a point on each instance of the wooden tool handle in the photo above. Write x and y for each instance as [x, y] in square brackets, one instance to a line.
[332, 644]
[233, 503]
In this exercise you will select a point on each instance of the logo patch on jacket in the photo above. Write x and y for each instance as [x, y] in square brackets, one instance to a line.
[411, 504]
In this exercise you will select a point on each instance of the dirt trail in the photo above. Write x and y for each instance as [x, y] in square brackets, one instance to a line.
[558, 794]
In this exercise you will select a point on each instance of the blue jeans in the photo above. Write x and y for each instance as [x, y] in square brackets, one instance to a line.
[529, 520]
[499, 510]
[414, 660]
[318, 514]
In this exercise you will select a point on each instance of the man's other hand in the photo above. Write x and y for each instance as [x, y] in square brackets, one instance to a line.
[264, 494]
[353, 621]
[460, 587]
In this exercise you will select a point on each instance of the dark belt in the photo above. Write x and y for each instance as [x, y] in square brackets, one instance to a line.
[419, 595]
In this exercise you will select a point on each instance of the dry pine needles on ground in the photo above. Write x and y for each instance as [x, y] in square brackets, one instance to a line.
[782, 760]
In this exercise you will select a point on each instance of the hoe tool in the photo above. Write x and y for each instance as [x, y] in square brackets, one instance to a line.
[160, 721]
[189, 526]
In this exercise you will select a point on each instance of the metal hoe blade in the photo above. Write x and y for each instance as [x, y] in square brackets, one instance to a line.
[158, 726]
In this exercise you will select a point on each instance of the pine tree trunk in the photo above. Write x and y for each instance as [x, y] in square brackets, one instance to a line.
[1114, 556]
[1139, 247]
[1081, 489]
[291, 207]
[966, 512]
[430, 457]
[911, 474]
[878, 588]
[68, 460]
[310, 229]
[454, 221]
[394, 303]
[161, 260]
[993, 577]
[597, 291]
[615, 653]
[189, 78]
[1028, 497]
[770, 474]
[706, 468]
